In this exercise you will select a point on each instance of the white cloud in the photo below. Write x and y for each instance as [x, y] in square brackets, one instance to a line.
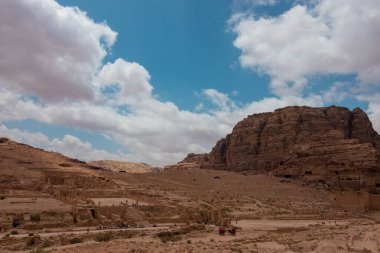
[221, 100]
[35, 139]
[69, 145]
[337, 92]
[199, 106]
[331, 37]
[243, 5]
[74, 147]
[50, 51]
[132, 78]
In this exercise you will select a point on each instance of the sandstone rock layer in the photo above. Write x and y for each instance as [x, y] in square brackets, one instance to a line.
[332, 145]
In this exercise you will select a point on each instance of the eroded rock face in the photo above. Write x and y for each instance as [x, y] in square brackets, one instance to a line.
[302, 141]
[197, 158]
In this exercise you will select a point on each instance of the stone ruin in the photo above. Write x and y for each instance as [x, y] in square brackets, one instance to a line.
[219, 217]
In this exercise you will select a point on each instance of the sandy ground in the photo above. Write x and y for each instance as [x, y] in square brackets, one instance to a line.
[359, 236]
[272, 214]
[26, 205]
[264, 236]
[116, 202]
[267, 225]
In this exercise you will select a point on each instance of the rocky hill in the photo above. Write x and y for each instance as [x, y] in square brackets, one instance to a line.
[123, 167]
[25, 167]
[332, 145]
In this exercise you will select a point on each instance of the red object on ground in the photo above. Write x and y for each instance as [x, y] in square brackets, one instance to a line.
[221, 231]
[232, 231]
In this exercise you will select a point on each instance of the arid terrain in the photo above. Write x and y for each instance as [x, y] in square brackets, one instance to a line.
[52, 203]
[123, 167]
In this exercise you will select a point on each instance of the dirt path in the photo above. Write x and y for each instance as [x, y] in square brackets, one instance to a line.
[266, 225]
[92, 231]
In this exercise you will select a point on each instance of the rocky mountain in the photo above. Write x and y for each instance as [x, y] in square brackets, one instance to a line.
[332, 145]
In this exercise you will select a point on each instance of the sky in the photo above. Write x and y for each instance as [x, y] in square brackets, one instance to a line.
[151, 81]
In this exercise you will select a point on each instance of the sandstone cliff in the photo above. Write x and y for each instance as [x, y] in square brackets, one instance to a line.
[332, 145]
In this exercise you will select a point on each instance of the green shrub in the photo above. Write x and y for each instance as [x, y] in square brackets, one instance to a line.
[52, 213]
[3, 140]
[103, 237]
[169, 236]
[17, 221]
[33, 241]
[35, 217]
[75, 240]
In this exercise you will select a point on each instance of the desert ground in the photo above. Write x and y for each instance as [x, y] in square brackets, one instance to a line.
[51, 203]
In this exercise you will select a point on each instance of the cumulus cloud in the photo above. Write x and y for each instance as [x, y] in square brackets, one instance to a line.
[330, 37]
[69, 145]
[221, 100]
[131, 78]
[50, 51]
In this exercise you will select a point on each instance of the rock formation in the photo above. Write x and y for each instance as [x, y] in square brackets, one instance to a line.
[331, 145]
[122, 167]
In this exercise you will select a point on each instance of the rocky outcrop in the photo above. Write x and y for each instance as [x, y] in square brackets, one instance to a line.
[197, 158]
[331, 145]
[191, 161]
[122, 167]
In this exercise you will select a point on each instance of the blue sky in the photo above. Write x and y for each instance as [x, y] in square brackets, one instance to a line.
[185, 45]
[154, 80]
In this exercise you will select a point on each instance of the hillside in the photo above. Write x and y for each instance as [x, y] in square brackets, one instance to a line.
[123, 167]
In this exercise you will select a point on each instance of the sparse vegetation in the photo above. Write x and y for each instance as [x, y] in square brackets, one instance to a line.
[16, 221]
[74, 215]
[169, 236]
[32, 241]
[75, 240]
[35, 217]
[103, 237]
[3, 140]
